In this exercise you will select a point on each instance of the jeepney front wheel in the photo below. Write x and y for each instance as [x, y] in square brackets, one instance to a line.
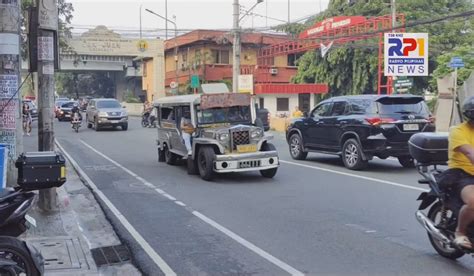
[269, 173]
[205, 162]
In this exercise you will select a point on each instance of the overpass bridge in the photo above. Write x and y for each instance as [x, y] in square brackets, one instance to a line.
[102, 50]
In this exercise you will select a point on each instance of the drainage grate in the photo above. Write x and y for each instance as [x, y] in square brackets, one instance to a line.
[110, 255]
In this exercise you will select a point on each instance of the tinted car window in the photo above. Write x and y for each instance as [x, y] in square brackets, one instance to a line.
[322, 110]
[338, 108]
[108, 104]
[401, 108]
[68, 105]
[360, 106]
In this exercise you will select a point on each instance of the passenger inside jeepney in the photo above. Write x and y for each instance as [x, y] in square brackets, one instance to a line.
[187, 129]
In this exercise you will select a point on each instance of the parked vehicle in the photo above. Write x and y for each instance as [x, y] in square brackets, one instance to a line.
[431, 152]
[65, 113]
[16, 256]
[358, 128]
[106, 113]
[225, 138]
[76, 122]
[33, 109]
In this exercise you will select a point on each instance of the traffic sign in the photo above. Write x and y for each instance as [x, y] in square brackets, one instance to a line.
[194, 81]
[456, 65]
[456, 62]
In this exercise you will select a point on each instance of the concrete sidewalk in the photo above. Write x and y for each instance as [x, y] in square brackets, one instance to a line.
[78, 235]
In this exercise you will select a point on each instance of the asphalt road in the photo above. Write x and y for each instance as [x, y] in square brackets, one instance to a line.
[314, 217]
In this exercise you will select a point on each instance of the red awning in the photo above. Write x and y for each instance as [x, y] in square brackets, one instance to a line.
[318, 88]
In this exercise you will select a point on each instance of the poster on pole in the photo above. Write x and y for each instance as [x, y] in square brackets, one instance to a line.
[48, 15]
[8, 86]
[45, 48]
[406, 54]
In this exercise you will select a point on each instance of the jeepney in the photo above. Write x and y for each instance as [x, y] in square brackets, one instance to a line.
[226, 137]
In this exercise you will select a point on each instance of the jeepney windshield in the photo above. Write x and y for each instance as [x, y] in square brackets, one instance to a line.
[231, 115]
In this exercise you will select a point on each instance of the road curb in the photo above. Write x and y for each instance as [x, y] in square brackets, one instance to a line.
[125, 268]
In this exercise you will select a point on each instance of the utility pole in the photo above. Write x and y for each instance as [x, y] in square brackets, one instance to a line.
[236, 48]
[47, 27]
[393, 9]
[10, 124]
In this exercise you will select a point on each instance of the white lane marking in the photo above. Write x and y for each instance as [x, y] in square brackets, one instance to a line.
[170, 197]
[214, 224]
[165, 268]
[286, 267]
[180, 203]
[356, 176]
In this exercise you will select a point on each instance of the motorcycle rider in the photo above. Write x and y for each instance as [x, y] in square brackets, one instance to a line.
[75, 109]
[461, 158]
[147, 108]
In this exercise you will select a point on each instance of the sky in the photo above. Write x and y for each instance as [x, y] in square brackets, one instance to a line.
[190, 14]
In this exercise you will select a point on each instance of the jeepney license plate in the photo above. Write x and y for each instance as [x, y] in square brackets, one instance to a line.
[408, 127]
[246, 148]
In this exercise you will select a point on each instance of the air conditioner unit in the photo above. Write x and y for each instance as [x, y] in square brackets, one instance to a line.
[273, 71]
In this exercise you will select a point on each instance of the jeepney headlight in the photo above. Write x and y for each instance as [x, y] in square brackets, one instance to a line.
[223, 137]
[256, 133]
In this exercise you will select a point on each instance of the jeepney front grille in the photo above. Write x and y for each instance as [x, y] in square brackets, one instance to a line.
[240, 138]
[249, 164]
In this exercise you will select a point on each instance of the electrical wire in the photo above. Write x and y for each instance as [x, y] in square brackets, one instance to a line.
[13, 96]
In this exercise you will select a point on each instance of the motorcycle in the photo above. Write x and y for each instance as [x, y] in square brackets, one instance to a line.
[76, 122]
[431, 152]
[16, 256]
[148, 120]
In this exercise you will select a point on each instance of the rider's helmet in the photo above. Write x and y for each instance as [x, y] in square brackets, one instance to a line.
[468, 108]
[75, 104]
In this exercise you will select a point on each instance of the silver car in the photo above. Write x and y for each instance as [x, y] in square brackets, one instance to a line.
[106, 113]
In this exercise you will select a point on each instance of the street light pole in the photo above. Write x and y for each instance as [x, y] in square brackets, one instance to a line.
[175, 38]
[141, 5]
[166, 19]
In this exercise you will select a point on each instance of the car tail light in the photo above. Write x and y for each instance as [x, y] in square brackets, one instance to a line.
[268, 117]
[376, 121]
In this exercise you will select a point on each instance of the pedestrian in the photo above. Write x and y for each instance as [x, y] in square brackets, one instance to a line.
[297, 113]
[26, 119]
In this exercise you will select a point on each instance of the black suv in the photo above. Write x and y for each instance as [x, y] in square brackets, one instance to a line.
[357, 128]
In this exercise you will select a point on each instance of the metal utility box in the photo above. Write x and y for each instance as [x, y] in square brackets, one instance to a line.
[41, 170]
